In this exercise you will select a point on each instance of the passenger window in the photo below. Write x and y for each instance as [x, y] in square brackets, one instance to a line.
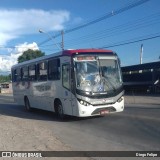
[32, 72]
[54, 69]
[24, 73]
[42, 71]
[17, 75]
[66, 76]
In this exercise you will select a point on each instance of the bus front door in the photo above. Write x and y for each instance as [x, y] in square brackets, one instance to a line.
[67, 96]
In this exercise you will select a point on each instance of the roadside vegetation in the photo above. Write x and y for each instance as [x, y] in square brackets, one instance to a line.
[27, 55]
[5, 78]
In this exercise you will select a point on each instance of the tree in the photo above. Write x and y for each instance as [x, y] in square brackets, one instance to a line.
[30, 54]
[5, 78]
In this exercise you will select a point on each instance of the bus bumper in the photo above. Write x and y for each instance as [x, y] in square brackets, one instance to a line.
[90, 110]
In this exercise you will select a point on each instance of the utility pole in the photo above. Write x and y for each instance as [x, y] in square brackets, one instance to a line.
[141, 54]
[62, 33]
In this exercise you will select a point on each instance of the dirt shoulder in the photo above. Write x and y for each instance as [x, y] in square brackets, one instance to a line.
[20, 133]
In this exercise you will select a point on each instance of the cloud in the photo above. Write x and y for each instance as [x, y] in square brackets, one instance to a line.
[6, 62]
[15, 23]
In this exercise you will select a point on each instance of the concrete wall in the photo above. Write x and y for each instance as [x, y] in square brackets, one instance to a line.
[142, 99]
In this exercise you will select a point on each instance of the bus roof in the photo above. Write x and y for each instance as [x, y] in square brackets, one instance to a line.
[69, 52]
[73, 51]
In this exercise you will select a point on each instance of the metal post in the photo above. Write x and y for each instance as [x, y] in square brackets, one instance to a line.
[62, 33]
[141, 53]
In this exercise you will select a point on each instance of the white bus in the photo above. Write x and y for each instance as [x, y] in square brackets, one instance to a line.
[82, 82]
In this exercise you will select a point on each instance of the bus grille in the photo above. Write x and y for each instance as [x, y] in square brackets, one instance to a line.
[95, 105]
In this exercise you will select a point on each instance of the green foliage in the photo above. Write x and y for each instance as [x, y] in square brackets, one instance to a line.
[30, 54]
[4, 78]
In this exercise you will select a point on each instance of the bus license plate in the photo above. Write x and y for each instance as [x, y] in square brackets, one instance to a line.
[104, 112]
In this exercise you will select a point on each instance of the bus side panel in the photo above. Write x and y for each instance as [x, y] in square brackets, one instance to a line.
[19, 90]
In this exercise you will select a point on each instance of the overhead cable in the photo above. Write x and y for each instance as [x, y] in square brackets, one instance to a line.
[129, 42]
[107, 15]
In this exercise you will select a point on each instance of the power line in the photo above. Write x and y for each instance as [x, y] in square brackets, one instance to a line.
[107, 15]
[120, 29]
[129, 42]
[126, 27]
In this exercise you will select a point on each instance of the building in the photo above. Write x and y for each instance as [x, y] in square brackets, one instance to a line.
[142, 77]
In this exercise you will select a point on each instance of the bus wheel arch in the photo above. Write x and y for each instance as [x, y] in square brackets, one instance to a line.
[58, 107]
[27, 103]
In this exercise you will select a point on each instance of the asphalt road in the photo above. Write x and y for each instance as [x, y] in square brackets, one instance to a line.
[135, 129]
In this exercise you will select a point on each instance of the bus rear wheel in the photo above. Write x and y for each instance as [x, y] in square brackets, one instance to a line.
[27, 104]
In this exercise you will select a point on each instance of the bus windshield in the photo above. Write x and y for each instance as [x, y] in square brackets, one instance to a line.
[97, 74]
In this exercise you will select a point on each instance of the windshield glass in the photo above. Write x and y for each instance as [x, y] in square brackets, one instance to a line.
[97, 74]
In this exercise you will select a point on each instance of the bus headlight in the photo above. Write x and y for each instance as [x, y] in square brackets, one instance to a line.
[119, 100]
[82, 102]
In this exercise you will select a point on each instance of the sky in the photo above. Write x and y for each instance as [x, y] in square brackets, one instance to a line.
[20, 21]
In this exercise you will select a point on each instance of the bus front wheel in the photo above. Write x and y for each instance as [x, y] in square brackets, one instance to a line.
[59, 110]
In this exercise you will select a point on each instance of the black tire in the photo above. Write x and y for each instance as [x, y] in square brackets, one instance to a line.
[27, 104]
[59, 111]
